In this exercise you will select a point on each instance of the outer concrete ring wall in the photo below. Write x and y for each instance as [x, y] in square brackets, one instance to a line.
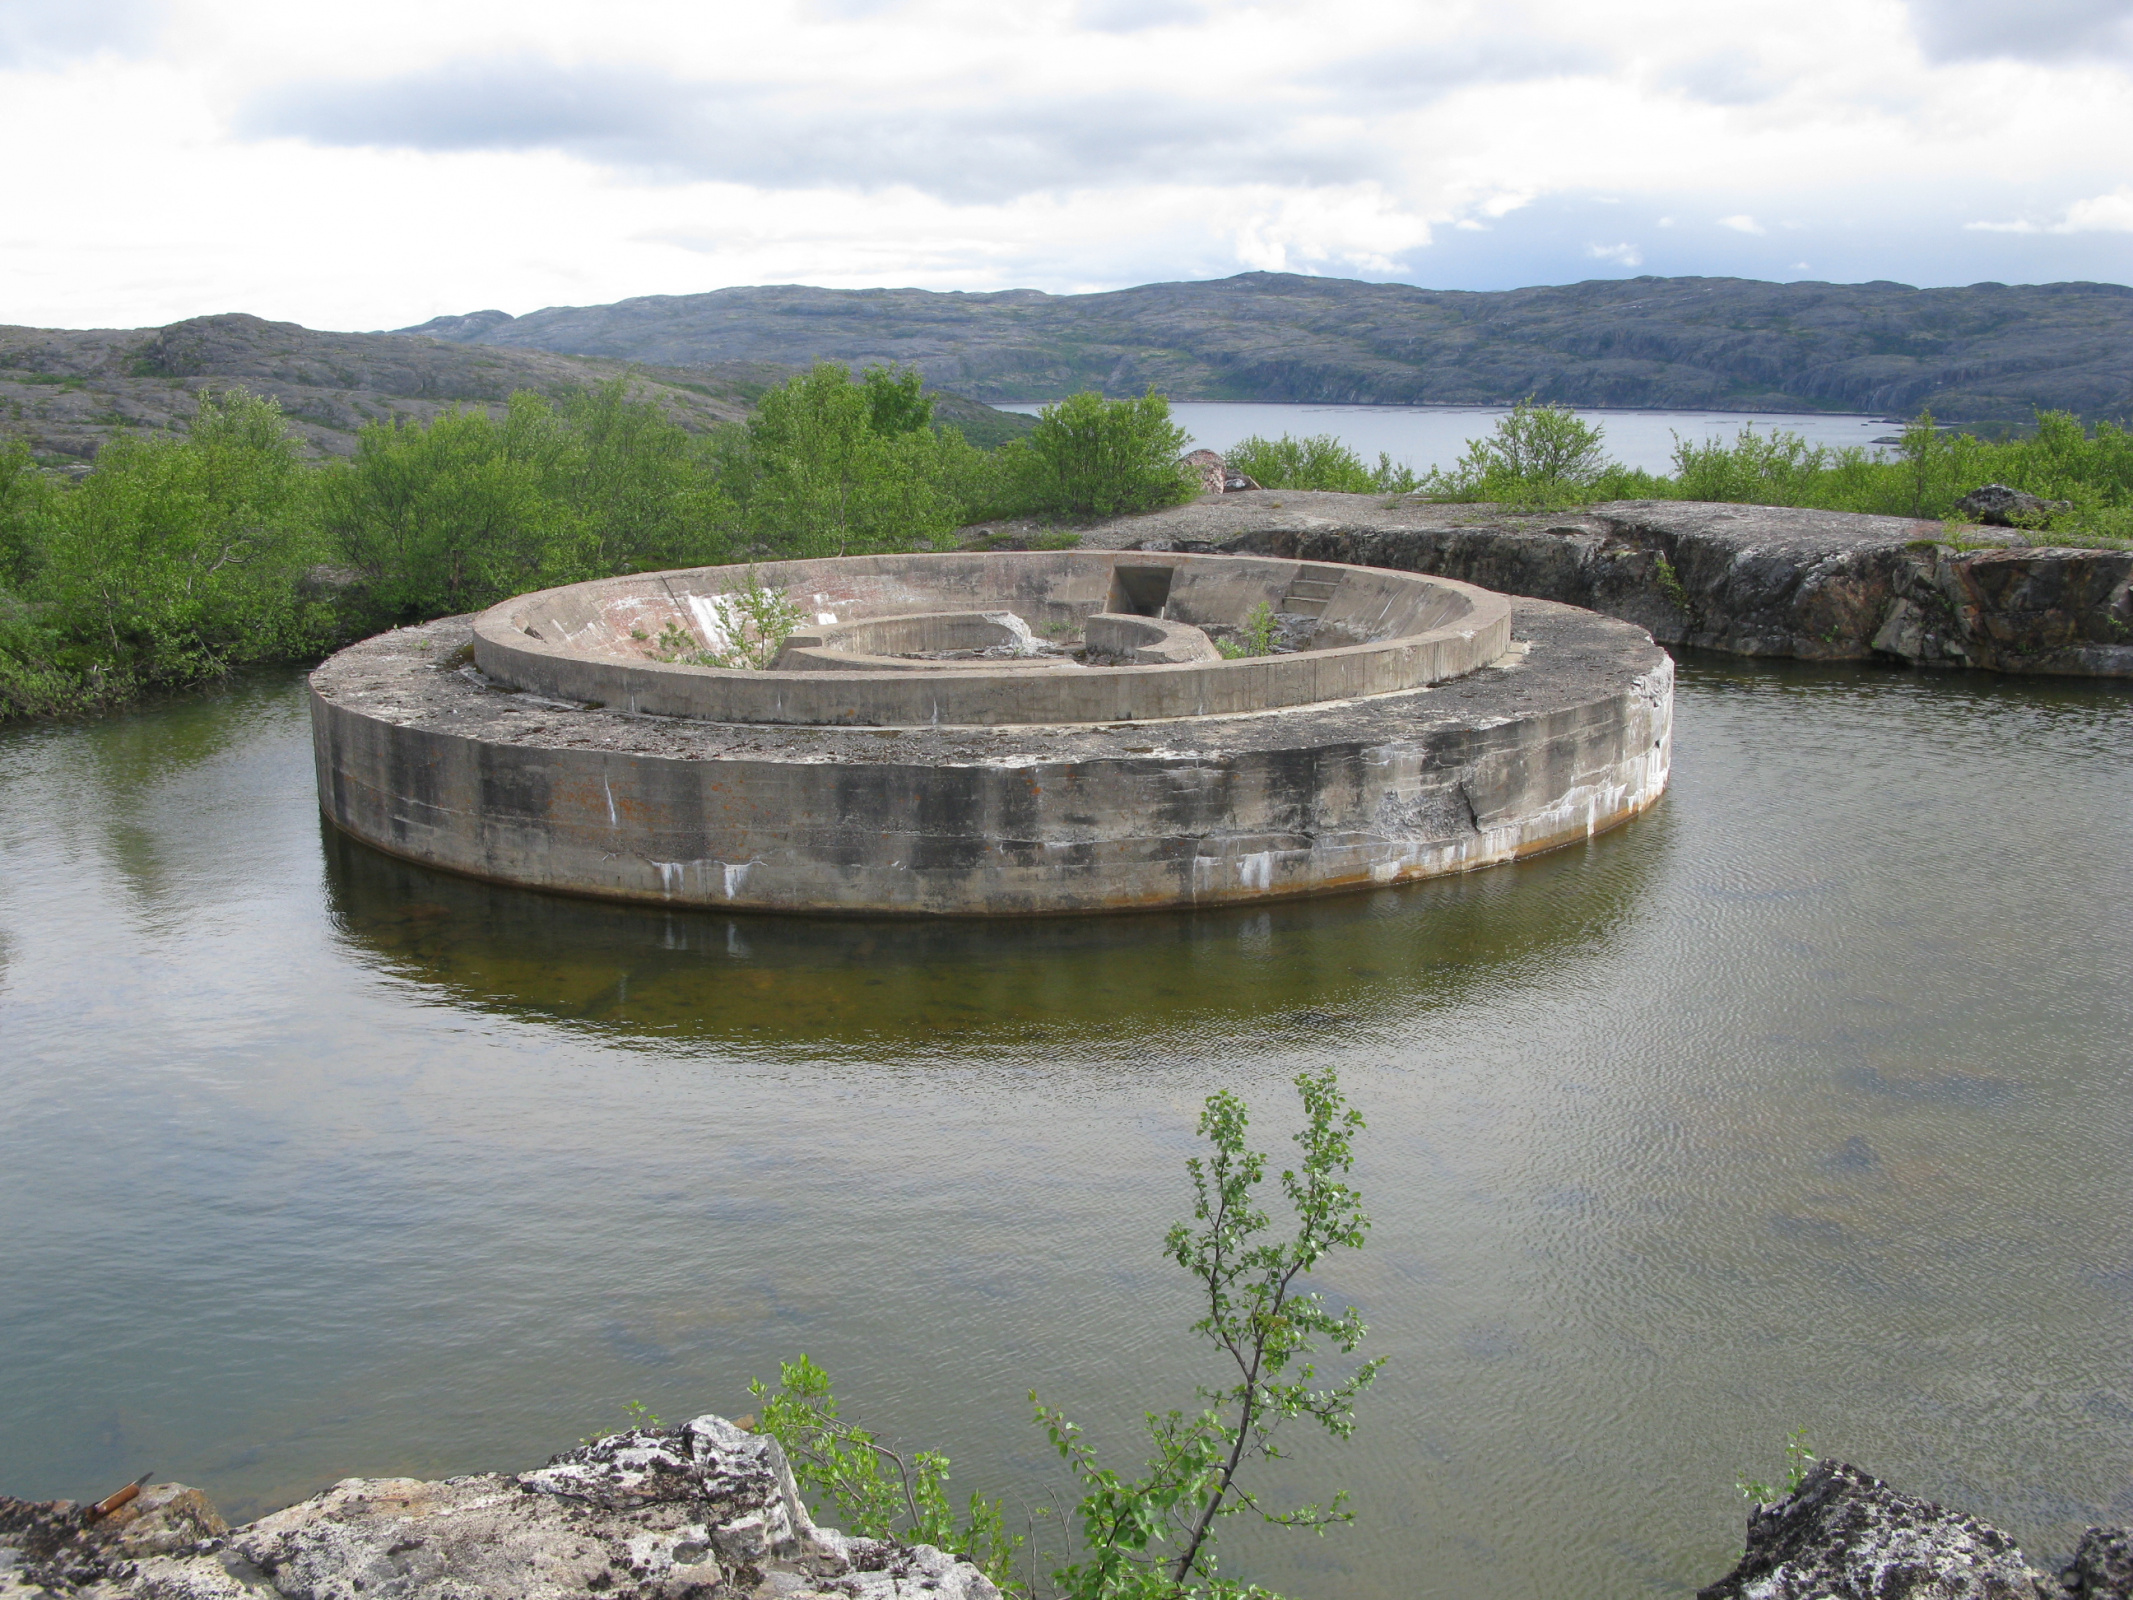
[431, 765]
[506, 651]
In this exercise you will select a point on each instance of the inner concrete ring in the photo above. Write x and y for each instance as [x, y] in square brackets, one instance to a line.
[1364, 632]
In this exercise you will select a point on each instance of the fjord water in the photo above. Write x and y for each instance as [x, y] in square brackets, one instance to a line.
[1433, 436]
[1804, 1101]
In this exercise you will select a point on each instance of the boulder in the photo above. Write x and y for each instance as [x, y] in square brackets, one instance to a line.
[1213, 474]
[2001, 507]
[705, 1511]
[1843, 1535]
[2102, 1568]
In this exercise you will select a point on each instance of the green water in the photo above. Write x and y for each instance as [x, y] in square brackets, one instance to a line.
[1804, 1101]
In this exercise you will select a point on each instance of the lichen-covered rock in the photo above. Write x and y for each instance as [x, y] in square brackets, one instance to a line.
[1212, 472]
[2102, 1568]
[701, 1512]
[2001, 507]
[1843, 1535]
[1746, 580]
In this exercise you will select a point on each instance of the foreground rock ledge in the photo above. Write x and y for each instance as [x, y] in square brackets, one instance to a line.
[709, 1512]
[1843, 1535]
[703, 1512]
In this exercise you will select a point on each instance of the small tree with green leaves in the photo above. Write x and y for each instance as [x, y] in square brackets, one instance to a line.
[177, 559]
[1256, 637]
[26, 496]
[1153, 1535]
[1799, 1461]
[1092, 457]
[754, 620]
[878, 1494]
[645, 493]
[1538, 455]
[897, 402]
[833, 467]
[1319, 461]
[461, 511]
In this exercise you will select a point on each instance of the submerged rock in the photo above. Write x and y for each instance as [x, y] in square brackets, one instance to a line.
[1843, 1535]
[705, 1511]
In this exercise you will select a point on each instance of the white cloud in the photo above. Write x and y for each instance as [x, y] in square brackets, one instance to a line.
[2103, 213]
[372, 166]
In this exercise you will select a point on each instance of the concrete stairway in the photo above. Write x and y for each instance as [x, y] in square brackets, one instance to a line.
[1311, 590]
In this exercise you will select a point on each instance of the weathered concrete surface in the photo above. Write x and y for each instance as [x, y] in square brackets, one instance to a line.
[701, 1512]
[1750, 580]
[1843, 1535]
[597, 641]
[1567, 734]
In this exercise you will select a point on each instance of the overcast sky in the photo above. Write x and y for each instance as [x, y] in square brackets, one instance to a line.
[372, 165]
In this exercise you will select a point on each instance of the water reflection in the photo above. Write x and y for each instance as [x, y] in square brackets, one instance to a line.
[1803, 1101]
[641, 973]
[109, 797]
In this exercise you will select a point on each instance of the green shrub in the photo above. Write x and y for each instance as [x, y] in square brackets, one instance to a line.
[756, 619]
[459, 513]
[1538, 455]
[1152, 1536]
[1930, 470]
[1255, 638]
[1319, 461]
[819, 477]
[645, 493]
[177, 559]
[1092, 457]
[26, 496]
[847, 1466]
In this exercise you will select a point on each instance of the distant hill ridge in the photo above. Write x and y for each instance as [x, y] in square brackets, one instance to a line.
[69, 391]
[1987, 353]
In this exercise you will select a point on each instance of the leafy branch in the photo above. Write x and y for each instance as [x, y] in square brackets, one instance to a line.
[878, 1494]
[1267, 1324]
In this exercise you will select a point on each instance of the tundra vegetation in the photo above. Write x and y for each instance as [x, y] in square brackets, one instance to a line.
[181, 557]
[1149, 1533]
[1545, 457]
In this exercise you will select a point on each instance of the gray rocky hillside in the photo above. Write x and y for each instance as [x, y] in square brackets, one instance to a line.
[67, 391]
[1986, 353]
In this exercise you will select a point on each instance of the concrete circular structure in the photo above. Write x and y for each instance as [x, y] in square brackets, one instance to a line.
[1007, 733]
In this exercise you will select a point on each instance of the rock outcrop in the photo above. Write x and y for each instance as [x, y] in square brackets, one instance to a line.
[701, 1512]
[1216, 475]
[1747, 580]
[1843, 1535]
[2001, 507]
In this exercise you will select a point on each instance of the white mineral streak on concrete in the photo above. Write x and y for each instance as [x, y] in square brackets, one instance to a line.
[714, 619]
[610, 793]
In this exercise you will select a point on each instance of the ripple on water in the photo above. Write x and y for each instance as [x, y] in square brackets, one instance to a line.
[1802, 1101]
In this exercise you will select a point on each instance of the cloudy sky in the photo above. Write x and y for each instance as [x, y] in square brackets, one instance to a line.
[372, 165]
